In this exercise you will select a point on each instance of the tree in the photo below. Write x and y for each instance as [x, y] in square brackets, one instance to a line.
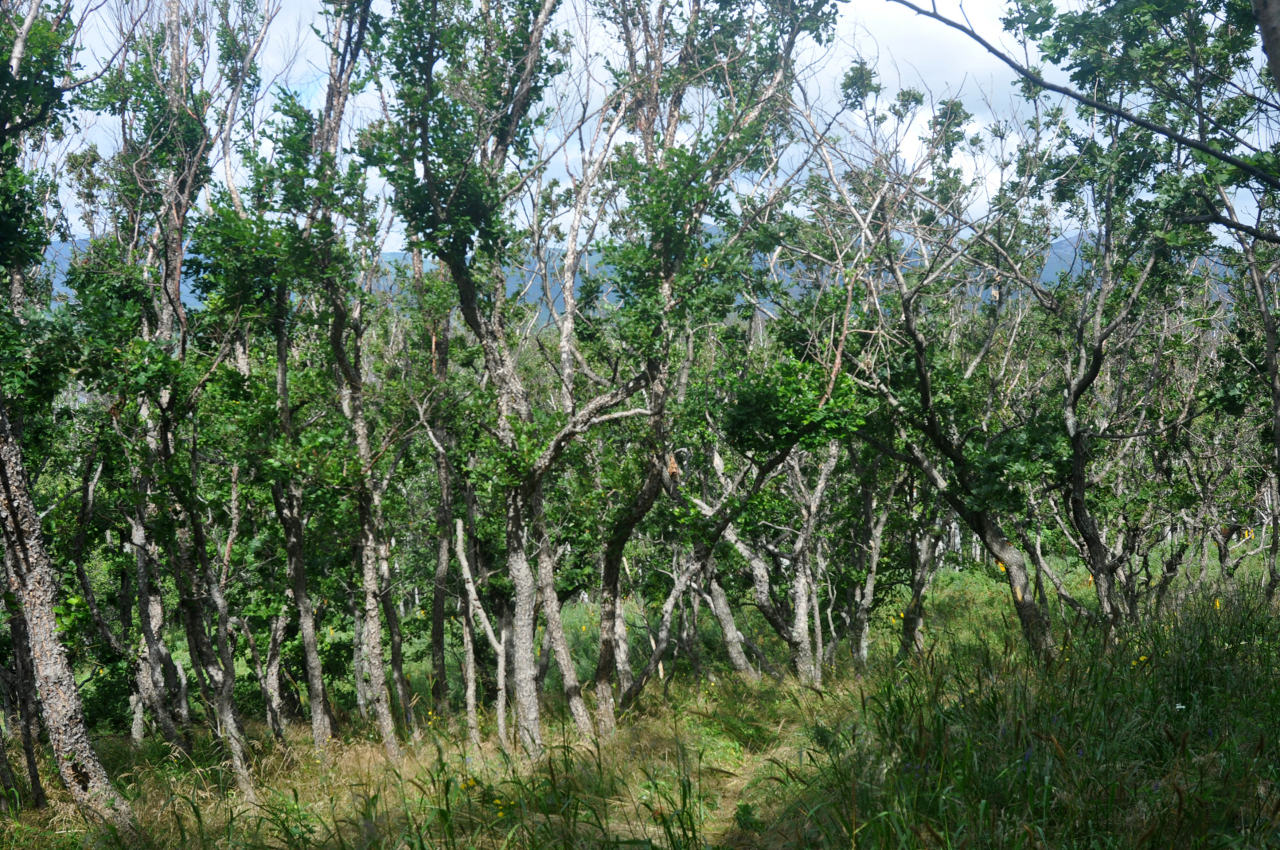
[1187, 74]
[37, 48]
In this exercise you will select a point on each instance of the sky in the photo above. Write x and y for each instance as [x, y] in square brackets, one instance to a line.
[916, 51]
[912, 50]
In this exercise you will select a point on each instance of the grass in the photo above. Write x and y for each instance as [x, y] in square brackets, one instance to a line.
[1166, 738]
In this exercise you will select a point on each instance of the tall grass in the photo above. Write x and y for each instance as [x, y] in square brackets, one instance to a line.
[1165, 738]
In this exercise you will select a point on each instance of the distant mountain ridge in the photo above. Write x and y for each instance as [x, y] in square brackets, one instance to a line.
[1063, 257]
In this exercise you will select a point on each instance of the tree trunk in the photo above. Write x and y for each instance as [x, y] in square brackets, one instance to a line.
[684, 572]
[469, 677]
[8, 782]
[439, 589]
[200, 599]
[802, 658]
[807, 659]
[860, 636]
[373, 562]
[473, 611]
[357, 654]
[612, 640]
[924, 568]
[268, 675]
[1267, 13]
[395, 638]
[443, 441]
[27, 708]
[521, 649]
[504, 681]
[718, 601]
[1098, 557]
[1273, 521]
[32, 580]
[161, 685]
[761, 587]
[689, 641]
[863, 599]
[287, 497]
[555, 636]
[1032, 618]
[622, 646]
[371, 663]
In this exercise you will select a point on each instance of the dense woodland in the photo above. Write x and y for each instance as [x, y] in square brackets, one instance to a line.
[323, 404]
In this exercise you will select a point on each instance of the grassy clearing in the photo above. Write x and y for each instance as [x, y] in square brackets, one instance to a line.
[1164, 739]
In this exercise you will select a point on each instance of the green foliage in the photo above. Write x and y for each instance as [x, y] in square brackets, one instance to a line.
[38, 352]
[788, 403]
[462, 107]
[913, 338]
[33, 99]
[167, 107]
[23, 237]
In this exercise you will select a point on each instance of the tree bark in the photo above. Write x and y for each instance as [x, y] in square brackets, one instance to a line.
[504, 682]
[469, 677]
[395, 639]
[439, 588]
[287, 497]
[32, 580]
[356, 606]
[718, 600]
[373, 561]
[1267, 13]
[555, 636]
[612, 639]
[802, 657]
[202, 605]
[372, 670]
[525, 600]
[875, 516]
[473, 611]
[443, 441]
[268, 675]
[161, 685]
[27, 709]
[1035, 625]
[924, 550]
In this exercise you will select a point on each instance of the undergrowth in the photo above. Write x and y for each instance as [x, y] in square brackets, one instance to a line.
[1164, 737]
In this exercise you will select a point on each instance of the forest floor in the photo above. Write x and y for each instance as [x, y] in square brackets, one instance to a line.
[1166, 738]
